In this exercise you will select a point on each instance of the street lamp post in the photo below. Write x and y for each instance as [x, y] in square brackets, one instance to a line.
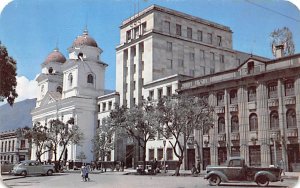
[164, 142]
[275, 154]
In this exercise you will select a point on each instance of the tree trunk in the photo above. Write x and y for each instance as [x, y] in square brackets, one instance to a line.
[144, 156]
[178, 164]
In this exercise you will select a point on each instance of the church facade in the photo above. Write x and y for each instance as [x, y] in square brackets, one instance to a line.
[69, 88]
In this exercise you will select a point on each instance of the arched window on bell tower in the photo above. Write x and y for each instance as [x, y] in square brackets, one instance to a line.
[70, 79]
[90, 79]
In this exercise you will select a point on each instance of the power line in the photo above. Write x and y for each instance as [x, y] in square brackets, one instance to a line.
[271, 10]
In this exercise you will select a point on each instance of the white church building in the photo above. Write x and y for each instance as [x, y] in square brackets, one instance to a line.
[69, 88]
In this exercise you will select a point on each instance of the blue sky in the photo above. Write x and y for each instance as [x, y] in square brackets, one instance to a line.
[31, 29]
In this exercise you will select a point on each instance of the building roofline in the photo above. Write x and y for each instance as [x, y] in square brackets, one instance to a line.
[175, 13]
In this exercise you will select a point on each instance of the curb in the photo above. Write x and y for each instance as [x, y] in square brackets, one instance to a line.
[12, 178]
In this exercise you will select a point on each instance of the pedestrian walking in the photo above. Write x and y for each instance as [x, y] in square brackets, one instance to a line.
[83, 172]
[281, 166]
[87, 171]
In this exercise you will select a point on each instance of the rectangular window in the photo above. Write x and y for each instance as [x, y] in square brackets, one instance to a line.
[2, 144]
[212, 56]
[98, 107]
[151, 154]
[219, 38]
[209, 38]
[169, 154]
[128, 35]
[199, 35]
[159, 93]
[9, 145]
[13, 145]
[178, 29]
[22, 144]
[134, 101]
[189, 33]
[192, 56]
[169, 90]
[169, 46]
[273, 91]
[103, 106]
[221, 58]
[167, 26]
[151, 95]
[160, 154]
[202, 54]
[255, 156]
[134, 68]
[180, 63]
[144, 27]
[289, 88]
[109, 105]
[136, 32]
[133, 85]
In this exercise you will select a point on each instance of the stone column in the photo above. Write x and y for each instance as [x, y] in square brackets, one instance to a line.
[213, 132]
[263, 124]
[282, 121]
[227, 123]
[243, 122]
[297, 94]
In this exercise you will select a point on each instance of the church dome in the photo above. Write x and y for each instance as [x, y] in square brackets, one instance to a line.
[55, 56]
[84, 39]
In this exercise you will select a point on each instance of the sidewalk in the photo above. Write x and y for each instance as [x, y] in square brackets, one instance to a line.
[5, 177]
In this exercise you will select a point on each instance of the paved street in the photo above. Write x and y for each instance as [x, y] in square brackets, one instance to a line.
[111, 180]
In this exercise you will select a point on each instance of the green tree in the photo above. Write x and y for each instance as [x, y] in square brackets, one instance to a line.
[103, 141]
[62, 134]
[179, 116]
[284, 37]
[8, 82]
[141, 124]
[37, 136]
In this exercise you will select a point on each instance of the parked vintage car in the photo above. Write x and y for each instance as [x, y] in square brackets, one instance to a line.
[236, 170]
[30, 167]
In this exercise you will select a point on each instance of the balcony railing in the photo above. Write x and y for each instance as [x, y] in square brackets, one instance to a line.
[233, 108]
[273, 102]
[291, 132]
[221, 137]
[220, 109]
[235, 136]
[289, 100]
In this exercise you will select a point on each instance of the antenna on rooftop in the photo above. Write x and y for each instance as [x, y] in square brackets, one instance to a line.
[253, 46]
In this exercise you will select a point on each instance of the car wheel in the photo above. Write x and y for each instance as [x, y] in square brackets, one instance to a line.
[214, 180]
[24, 173]
[262, 181]
[49, 172]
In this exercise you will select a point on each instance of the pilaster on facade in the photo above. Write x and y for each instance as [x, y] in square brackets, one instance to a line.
[243, 122]
[214, 132]
[263, 124]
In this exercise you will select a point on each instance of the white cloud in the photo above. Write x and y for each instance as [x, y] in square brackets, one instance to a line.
[295, 2]
[26, 89]
[3, 3]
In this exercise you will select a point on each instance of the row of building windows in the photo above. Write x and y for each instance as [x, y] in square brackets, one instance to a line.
[9, 146]
[160, 154]
[190, 33]
[272, 93]
[90, 79]
[105, 106]
[7, 158]
[135, 32]
[202, 53]
[253, 122]
[160, 93]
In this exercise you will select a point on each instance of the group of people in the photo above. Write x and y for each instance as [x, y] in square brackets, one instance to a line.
[85, 173]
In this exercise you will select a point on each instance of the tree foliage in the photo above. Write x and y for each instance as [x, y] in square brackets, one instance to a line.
[284, 37]
[179, 116]
[56, 134]
[103, 141]
[8, 75]
[63, 134]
